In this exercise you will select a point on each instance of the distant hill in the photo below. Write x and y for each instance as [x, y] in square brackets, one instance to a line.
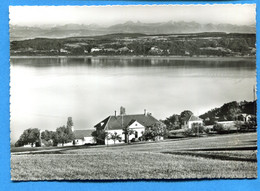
[171, 27]
[195, 44]
[179, 27]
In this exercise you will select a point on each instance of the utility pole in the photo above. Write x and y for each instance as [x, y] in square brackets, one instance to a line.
[254, 92]
[198, 130]
[40, 138]
[122, 121]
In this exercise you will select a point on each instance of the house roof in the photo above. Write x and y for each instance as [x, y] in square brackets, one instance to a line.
[80, 134]
[119, 122]
[131, 122]
[194, 118]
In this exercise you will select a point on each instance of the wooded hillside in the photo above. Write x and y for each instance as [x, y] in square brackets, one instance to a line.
[201, 44]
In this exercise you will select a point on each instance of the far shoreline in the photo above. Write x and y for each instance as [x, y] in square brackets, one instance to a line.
[234, 58]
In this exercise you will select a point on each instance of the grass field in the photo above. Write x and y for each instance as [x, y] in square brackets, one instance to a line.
[227, 156]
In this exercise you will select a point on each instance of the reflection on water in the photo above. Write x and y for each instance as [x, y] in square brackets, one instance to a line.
[135, 62]
[45, 91]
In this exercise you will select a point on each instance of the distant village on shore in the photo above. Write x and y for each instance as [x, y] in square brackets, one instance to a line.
[134, 44]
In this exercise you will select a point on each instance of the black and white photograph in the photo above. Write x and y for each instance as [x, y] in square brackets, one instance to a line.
[133, 92]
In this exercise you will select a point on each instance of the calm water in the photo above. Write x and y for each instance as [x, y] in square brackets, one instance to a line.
[45, 91]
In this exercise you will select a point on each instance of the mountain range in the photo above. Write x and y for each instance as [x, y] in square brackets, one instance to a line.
[72, 30]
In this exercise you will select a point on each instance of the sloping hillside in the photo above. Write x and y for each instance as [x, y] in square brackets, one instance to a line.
[228, 111]
[201, 44]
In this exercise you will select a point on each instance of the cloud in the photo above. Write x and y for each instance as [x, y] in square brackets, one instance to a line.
[107, 15]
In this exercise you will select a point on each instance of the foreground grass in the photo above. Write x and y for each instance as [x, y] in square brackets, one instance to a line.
[240, 155]
[125, 165]
[182, 159]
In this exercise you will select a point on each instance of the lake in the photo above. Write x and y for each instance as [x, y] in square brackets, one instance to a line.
[47, 90]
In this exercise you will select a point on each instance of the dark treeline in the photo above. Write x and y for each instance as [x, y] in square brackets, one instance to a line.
[202, 44]
[228, 112]
[63, 134]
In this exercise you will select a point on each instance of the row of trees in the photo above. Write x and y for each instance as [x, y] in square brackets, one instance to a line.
[63, 134]
[229, 112]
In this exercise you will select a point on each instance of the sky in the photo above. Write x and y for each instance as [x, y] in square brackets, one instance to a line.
[109, 15]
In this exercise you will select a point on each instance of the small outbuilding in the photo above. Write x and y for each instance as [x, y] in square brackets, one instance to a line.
[83, 137]
[189, 122]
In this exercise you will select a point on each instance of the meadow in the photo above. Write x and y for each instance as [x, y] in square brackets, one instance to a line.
[226, 156]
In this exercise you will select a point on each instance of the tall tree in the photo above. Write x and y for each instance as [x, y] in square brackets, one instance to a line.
[47, 135]
[155, 130]
[185, 115]
[64, 135]
[172, 122]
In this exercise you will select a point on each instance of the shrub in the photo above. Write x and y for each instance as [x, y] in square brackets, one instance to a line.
[195, 130]
[188, 132]
[219, 128]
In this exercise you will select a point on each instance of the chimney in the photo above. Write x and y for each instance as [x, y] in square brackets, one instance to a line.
[145, 113]
[115, 113]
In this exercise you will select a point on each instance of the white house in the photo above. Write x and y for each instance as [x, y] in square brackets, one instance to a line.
[114, 125]
[155, 50]
[83, 137]
[192, 120]
[95, 49]
[63, 50]
[244, 117]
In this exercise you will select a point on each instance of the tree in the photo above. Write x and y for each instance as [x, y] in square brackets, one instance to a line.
[197, 128]
[229, 111]
[48, 138]
[64, 135]
[233, 111]
[172, 122]
[61, 135]
[99, 136]
[114, 136]
[127, 132]
[155, 130]
[219, 128]
[185, 115]
[47, 135]
[29, 136]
